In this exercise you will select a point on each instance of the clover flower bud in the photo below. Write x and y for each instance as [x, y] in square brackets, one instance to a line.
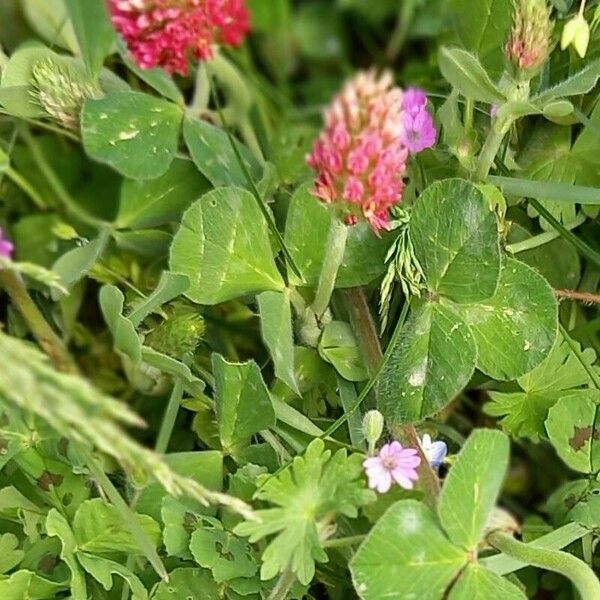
[178, 336]
[168, 33]
[528, 47]
[61, 92]
[360, 157]
[576, 33]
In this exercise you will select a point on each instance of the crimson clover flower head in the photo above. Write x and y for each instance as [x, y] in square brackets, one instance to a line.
[434, 451]
[168, 33]
[360, 157]
[393, 464]
[6, 246]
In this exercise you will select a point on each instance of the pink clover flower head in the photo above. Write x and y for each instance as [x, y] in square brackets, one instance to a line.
[393, 464]
[6, 246]
[419, 131]
[360, 157]
[169, 33]
[435, 452]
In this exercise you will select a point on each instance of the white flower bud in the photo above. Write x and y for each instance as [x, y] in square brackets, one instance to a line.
[372, 426]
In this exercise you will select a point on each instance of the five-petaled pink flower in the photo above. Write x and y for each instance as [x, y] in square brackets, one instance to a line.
[393, 464]
[6, 246]
[360, 157]
[168, 33]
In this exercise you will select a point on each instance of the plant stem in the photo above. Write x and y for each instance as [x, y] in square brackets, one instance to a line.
[69, 203]
[334, 254]
[585, 297]
[127, 514]
[46, 337]
[364, 327]
[169, 418]
[398, 37]
[488, 153]
[284, 584]
[26, 187]
[582, 577]
[543, 238]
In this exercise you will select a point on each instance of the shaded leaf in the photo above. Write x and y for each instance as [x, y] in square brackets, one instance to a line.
[479, 583]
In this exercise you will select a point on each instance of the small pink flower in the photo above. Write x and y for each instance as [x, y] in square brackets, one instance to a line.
[393, 464]
[168, 33]
[415, 100]
[6, 246]
[419, 131]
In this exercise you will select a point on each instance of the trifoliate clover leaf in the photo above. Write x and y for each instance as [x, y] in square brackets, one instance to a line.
[309, 494]
[523, 413]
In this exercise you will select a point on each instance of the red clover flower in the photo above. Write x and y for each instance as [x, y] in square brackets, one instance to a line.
[168, 33]
[360, 157]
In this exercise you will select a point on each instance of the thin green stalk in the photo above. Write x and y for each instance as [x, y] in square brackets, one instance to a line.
[574, 569]
[201, 91]
[334, 254]
[579, 244]
[169, 418]
[352, 540]
[69, 203]
[26, 187]
[127, 514]
[261, 205]
[398, 37]
[283, 586]
[543, 238]
[488, 153]
[46, 337]
[577, 352]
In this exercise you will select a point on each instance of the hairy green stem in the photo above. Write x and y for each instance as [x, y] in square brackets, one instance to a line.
[69, 203]
[283, 586]
[366, 332]
[352, 540]
[488, 153]
[46, 337]
[127, 514]
[543, 238]
[169, 418]
[334, 254]
[582, 577]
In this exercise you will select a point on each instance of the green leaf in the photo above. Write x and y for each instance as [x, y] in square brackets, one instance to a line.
[125, 337]
[94, 31]
[151, 243]
[225, 554]
[204, 467]
[50, 20]
[30, 586]
[581, 83]
[57, 526]
[187, 583]
[406, 555]
[339, 347]
[472, 487]
[179, 522]
[307, 225]
[516, 328]
[154, 202]
[213, 155]
[10, 555]
[432, 361]
[102, 570]
[479, 583]
[482, 27]
[75, 264]
[99, 528]
[572, 429]
[455, 236]
[277, 333]
[465, 73]
[316, 486]
[523, 413]
[134, 133]
[223, 247]
[170, 286]
[242, 401]
[158, 79]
